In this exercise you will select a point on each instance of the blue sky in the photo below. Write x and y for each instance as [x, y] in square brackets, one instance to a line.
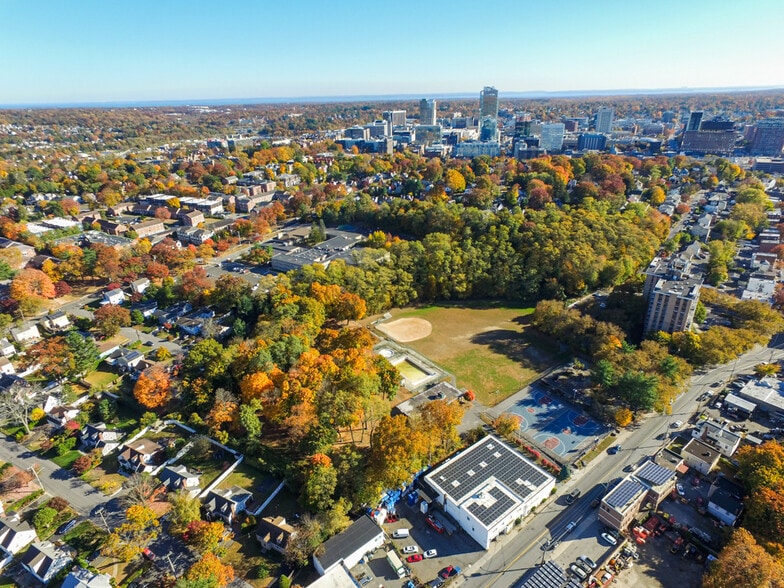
[142, 50]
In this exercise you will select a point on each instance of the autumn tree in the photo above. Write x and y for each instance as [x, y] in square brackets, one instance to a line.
[195, 284]
[153, 388]
[109, 318]
[128, 539]
[208, 572]
[507, 425]
[30, 288]
[139, 489]
[320, 482]
[623, 417]
[204, 536]
[438, 422]
[744, 563]
[185, 509]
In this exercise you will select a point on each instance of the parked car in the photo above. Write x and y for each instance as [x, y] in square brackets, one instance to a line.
[583, 566]
[413, 558]
[679, 488]
[677, 424]
[436, 583]
[411, 549]
[614, 449]
[435, 524]
[610, 539]
[391, 518]
[65, 527]
[595, 502]
[449, 571]
[148, 554]
[573, 495]
[578, 571]
[570, 527]
[431, 553]
[587, 560]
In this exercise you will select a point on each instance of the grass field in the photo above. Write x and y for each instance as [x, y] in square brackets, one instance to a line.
[489, 349]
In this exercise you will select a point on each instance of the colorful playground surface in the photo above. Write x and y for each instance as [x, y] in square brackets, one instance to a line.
[553, 425]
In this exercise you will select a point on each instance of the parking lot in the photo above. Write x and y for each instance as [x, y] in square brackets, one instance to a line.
[455, 549]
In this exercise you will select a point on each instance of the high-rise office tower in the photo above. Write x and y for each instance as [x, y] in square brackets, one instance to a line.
[488, 114]
[427, 112]
[695, 121]
[397, 118]
[488, 102]
[552, 136]
[768, 137]
[604, 120]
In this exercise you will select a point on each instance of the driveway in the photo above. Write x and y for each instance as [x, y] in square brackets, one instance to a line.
[55, 480]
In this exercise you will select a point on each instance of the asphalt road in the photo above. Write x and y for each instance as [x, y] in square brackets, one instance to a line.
[56, 481]
[514, 556]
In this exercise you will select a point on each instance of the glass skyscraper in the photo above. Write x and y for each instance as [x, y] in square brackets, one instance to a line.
[488, 114]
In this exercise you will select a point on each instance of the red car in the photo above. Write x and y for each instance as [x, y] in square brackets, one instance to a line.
[392, 518]
[449, 571]
[147, 553]
[437, 526]
[413, 558]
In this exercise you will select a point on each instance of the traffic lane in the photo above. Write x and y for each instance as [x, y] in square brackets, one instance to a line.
[55, 480]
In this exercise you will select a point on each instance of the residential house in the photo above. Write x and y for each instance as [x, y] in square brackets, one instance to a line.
[176, 478]
[26, 333]
[274, 533]
[125, 359]
[106, 348]
[81, 578]
[140, 285]
[99, 436]
[140, 456]
[227, 504]
[26, 253]
[15, 535]
[116, 297]
[725, 507]
[44, 559]
[6, 367]
[8, 381]
[6, 348]
[192, 219]
[112, 227]
[150, 227]
[289, 180]
[146, 308]
[700, 456]
[349, 546]
[60, 415]
[57, 321]
[120, 208]
[173, 312]
[718, 435]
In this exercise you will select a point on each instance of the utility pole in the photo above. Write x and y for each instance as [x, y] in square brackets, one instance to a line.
[168, 558]
[35, 473]
[105, 524]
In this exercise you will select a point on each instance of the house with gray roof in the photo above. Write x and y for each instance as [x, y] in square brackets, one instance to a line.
[81, 578]
[177, 477]
[15, 535]
[227, 503]
[348, 547]
[44, 559]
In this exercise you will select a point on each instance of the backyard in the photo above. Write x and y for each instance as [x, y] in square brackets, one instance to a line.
[489, 349]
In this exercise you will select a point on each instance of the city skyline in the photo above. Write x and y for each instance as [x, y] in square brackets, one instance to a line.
[94, 52]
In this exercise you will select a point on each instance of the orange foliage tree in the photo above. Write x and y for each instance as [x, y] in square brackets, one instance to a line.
[153, 388]
[210, 568]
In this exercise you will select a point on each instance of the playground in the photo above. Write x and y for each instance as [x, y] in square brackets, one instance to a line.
[553, 425]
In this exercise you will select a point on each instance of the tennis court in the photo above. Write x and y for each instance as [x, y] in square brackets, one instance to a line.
[552, 424]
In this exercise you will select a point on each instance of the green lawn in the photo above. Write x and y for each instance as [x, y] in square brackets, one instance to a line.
[245, 476]
[100, 379]
[67, 460]
[85, 537]
[489, 349]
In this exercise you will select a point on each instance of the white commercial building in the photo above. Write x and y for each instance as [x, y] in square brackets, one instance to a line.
[488, 486]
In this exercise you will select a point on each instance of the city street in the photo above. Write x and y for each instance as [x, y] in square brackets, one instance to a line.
[513, 556]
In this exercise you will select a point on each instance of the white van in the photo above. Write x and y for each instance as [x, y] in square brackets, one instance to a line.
[400, 534]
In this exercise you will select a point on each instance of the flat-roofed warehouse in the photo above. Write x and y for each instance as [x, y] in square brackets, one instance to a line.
[486, 487]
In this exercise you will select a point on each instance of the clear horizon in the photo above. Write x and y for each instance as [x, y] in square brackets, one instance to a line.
[92, 52]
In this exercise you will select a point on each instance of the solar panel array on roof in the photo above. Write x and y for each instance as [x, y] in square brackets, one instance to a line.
[489, 458]
[654, 473]
[489, 511]
[550, 575]
[625, 493]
